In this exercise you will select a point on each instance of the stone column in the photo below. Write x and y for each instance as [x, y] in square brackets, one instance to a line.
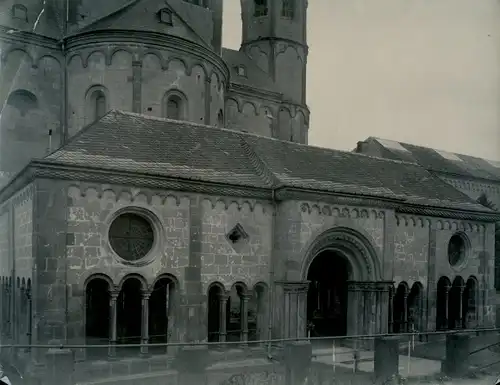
[222, 316]
[405, 312]
[295, 319]
[244, 317]
[353, 299]
[446, 300]
[29, 318]
[391, 309]
[461, 319]
[113, 297]
[145, 322]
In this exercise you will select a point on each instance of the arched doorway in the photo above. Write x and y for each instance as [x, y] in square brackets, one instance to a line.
[469, 306]
[216, 299]
[160, 310]
[443, 289]
[130, 312]
[401, 308]
[327, 295]
[455, 304]
[97, 311]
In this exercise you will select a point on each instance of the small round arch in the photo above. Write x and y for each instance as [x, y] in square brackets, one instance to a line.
[136, 276]
[175, 105]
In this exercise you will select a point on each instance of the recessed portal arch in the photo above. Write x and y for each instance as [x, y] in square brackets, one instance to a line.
[353, 246]
[343, 272]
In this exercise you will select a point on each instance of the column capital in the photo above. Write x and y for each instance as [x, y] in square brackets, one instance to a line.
[114, 293]
[246, 296]
[223, 296]
[294, 286]
[145, 294]
[382, 286]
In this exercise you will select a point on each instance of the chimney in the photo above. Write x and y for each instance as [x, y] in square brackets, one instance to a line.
[362, 147]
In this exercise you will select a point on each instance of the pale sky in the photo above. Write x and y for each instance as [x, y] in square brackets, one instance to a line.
[420, 71]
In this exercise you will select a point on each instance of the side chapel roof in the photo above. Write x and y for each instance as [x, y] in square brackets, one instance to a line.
[129, 142]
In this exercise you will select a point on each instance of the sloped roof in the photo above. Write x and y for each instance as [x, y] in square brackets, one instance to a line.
[440, 161]
[140, 15]
[255, 77]
[131, 142]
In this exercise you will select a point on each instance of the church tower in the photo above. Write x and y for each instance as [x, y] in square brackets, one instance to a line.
[274, 35]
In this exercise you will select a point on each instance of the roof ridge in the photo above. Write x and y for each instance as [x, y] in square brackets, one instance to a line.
[430, 148]
[260, 166]
[251, 134]
[105, 17]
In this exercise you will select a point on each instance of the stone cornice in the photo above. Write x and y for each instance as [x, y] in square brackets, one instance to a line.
[152, 39]
[253, 92]
[15, 36]
[46, 169]
[465, 178]
[277, 39]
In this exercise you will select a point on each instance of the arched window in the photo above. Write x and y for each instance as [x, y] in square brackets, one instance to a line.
[100, 105]
[260, 8]
[96, 104]
[288, 9]
[23, 100]
[174, 106]
[20, 12]
[220, 119]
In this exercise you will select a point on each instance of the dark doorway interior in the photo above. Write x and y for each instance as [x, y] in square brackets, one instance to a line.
[130, 312]
[159, 310]
[327, 295]
[214, 294]
[97, 311]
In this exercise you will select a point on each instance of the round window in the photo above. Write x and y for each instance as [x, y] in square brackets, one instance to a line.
[131, 236]
[456, 250]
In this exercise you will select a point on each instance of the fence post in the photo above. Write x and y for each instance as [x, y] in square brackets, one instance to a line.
[60, 366]
[456, 362]
[191, 363]
[386, 357]
[298, 356]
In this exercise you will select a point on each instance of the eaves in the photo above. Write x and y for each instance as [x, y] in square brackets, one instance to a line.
[15, 36]
[150, 39]
[253, 92]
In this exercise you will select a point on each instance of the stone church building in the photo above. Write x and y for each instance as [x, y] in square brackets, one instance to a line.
[158, 187]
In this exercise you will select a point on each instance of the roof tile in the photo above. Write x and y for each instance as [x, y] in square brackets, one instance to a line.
[136, 143]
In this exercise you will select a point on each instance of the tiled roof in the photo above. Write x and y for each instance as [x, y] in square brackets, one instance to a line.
[440, 161]
[136, 143]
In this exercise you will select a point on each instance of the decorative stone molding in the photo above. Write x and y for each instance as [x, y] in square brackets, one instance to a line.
[155, 197]
[371, 286]
[459, 226]
[412, 221]
[294, 287]
[473, 186]
[343, 237]
[341, 211]
[148, 43]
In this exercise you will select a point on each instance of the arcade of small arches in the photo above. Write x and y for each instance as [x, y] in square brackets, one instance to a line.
[16, 309]
[133, 312]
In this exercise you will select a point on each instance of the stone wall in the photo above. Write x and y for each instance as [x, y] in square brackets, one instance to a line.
[31, 97]
[16, 267]
[474, 188]
[192, 245]
[300, 223]
[135, 80]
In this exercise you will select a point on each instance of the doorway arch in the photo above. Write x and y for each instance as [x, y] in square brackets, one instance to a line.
[346, 293]
[355, 247]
